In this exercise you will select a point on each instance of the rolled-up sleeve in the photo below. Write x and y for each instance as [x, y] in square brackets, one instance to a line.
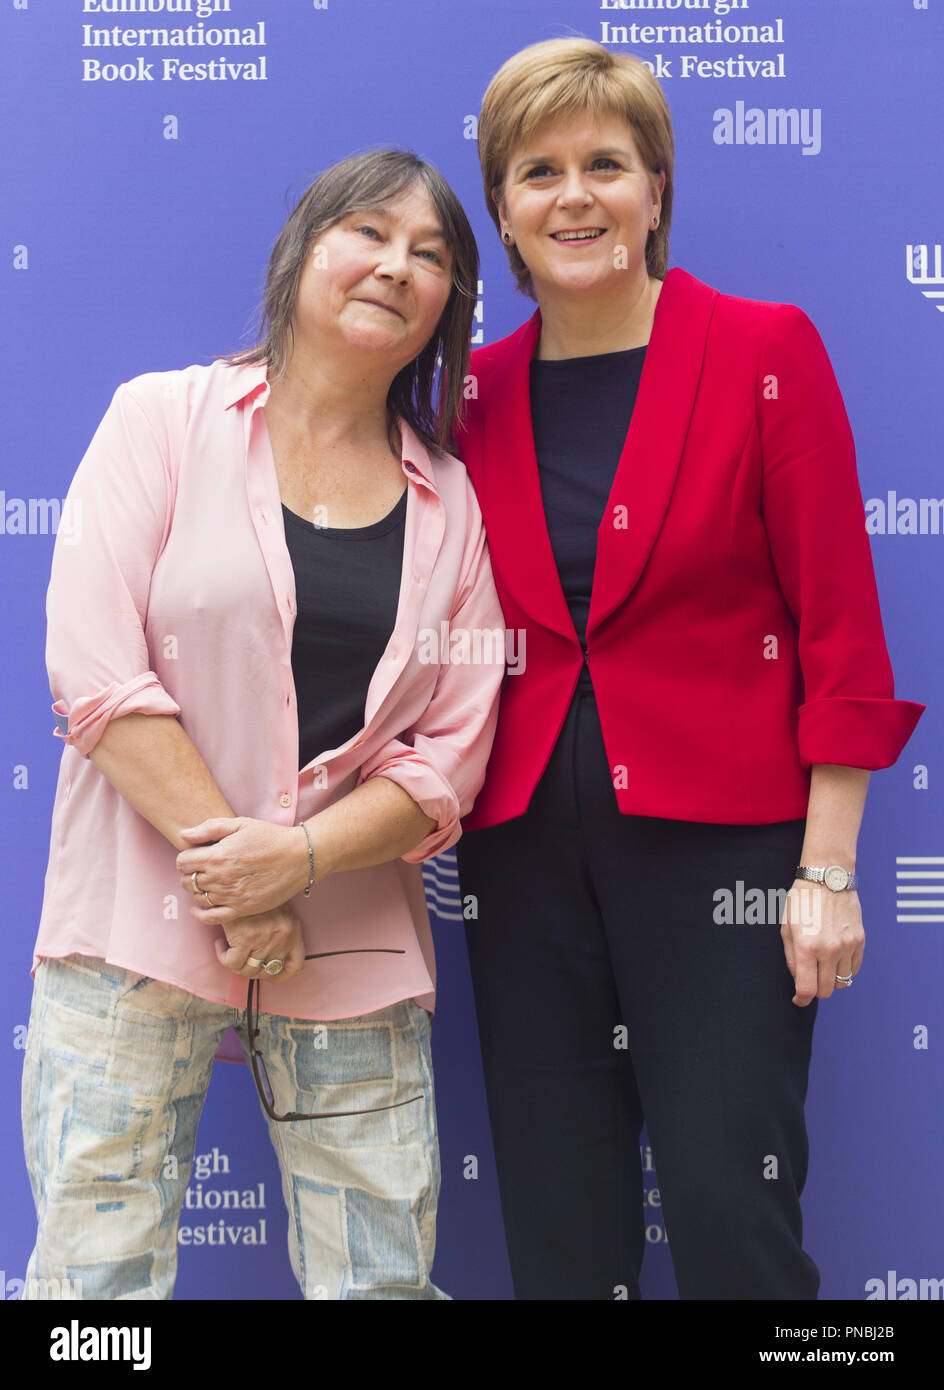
[815, 522]
[115, 522]
[440, 762]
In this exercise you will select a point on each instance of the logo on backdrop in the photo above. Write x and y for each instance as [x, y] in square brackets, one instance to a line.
[114, 41]
[478, 335]
[240, 1226]
[920, 888]
[441, 881]
[710, 33]
[923, 268]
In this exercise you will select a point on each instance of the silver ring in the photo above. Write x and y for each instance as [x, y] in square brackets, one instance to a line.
[256, 964]
[844, 980]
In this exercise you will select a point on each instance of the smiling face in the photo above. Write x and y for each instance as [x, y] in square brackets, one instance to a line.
[578, 202]
[376, 281]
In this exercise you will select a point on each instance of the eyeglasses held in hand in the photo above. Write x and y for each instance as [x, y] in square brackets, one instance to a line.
[257, 1060]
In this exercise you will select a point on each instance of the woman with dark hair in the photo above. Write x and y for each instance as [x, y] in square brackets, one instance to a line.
[668, 482]
[250, 710]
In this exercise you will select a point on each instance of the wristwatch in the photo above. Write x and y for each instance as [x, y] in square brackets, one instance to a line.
[834, 876]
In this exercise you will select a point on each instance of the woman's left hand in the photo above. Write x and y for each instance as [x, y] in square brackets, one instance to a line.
[823, 937]
[245, 866]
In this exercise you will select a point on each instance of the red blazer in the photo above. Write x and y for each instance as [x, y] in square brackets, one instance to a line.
[735, 637]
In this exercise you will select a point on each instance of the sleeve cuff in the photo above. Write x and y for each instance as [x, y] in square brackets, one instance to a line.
[82, 725]
[856, 733]
[431, 792]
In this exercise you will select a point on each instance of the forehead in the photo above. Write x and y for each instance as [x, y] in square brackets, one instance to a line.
[412, 206]
[576, 132]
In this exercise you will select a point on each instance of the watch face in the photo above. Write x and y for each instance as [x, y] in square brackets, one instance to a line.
[836, 878]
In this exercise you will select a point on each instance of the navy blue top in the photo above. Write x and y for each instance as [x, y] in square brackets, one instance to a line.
[580, 410]
[347, 585]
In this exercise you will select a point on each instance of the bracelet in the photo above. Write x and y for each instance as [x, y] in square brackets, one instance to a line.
[311, 860]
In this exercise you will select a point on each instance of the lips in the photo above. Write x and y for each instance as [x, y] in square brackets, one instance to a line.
[379, 304]
[570, 236]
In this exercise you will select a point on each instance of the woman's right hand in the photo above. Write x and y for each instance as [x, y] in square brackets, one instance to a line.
[273, 935]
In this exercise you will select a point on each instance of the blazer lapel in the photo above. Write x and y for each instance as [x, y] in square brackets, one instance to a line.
[645, 474]
[649, 463]
[513, 507]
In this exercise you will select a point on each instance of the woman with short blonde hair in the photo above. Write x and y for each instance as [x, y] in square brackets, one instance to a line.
[668, 482]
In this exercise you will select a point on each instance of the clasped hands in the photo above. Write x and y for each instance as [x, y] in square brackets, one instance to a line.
[249, 869]
[823, 937]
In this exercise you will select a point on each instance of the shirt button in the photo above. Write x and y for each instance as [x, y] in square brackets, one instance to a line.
[285, 799]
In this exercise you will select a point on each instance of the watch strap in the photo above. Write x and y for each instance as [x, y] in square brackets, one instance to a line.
[818, 875]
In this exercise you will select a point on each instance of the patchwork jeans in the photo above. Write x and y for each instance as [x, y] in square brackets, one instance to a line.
[115, 1077]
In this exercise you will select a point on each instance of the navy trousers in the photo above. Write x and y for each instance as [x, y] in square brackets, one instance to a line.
[610, 990]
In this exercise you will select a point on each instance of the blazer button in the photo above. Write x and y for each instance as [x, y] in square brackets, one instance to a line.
[285, 799]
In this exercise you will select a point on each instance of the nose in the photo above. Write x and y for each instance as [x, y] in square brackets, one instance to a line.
[574, 191]
[393, 262]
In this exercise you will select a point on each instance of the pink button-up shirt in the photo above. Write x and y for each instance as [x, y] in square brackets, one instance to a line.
[172, 592]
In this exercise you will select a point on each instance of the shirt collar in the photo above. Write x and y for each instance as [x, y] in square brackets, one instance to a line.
[245, 379]
[415, 455]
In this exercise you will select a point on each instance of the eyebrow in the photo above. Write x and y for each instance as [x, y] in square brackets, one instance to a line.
[424, 234]
[549, 159]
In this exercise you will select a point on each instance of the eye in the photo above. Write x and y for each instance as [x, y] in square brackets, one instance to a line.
[538, 171]
[436, 257]
[605, 160]
[370, 231]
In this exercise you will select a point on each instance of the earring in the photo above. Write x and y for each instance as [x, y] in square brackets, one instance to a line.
[506, 238]
[655, 222]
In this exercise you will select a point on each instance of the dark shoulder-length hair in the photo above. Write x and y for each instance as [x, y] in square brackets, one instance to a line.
[429, 401]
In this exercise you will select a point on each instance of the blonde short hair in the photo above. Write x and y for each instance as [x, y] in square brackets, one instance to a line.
[562, 77]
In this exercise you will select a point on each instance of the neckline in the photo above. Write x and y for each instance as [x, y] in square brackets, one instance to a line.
[596, 357]
[374, 528]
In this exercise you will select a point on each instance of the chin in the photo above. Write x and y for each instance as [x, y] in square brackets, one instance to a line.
[585, 280]
[371, 338]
